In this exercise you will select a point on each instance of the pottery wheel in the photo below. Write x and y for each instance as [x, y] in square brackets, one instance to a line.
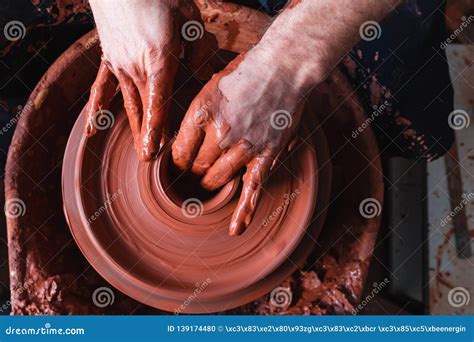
[156, 235]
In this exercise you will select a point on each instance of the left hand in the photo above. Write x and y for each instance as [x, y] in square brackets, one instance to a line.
[141, 43]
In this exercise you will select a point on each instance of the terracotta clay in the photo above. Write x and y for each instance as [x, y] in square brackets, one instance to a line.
[217, 163]
[162, 234]
[103, 89]
[41, 249]
[48, 274]
[146, 86]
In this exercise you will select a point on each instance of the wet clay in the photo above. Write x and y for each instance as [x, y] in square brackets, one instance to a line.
[161, 233]
[48, 274]
[147, 86]
[160, 241]
[200, 145]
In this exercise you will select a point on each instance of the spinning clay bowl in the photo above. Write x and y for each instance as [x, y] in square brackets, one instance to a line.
[157, 236]
[154, 234]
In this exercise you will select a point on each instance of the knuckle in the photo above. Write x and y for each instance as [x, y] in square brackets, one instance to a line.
[201, 116]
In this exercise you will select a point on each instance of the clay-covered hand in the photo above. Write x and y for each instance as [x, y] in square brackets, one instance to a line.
[141, 43]
[245, 116]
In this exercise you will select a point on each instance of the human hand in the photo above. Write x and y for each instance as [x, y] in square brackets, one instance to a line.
[141, 43]
[245, 116]
[236, 119]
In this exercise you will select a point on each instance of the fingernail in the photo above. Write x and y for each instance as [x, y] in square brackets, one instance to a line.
[145, 156]
[211, 183]
[237, 228]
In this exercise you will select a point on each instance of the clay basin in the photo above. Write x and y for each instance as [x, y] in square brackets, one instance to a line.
[156, 235]
[165, 260]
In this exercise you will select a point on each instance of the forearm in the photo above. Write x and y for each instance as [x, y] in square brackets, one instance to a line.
[118, 4]
[310, 37]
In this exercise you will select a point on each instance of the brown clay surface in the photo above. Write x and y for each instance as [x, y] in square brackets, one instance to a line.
[155, 245]
[48, 273]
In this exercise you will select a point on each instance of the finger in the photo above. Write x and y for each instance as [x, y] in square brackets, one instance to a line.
[190, 136]
[257, 171]
[227, 165]
[158, 92]
[165, 134]
[133, 106]
[210, 150]
[102, 92]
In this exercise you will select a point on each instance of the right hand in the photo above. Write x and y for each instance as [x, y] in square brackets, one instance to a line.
[246, 116]
[141, 44]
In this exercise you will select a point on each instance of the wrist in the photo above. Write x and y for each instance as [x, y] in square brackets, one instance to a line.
[299, 67]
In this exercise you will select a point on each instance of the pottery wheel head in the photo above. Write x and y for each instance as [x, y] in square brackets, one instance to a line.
[156, 235]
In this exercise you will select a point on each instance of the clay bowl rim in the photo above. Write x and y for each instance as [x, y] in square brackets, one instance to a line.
[125, 281]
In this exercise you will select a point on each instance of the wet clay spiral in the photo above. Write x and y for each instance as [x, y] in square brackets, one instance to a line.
[153, 233]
